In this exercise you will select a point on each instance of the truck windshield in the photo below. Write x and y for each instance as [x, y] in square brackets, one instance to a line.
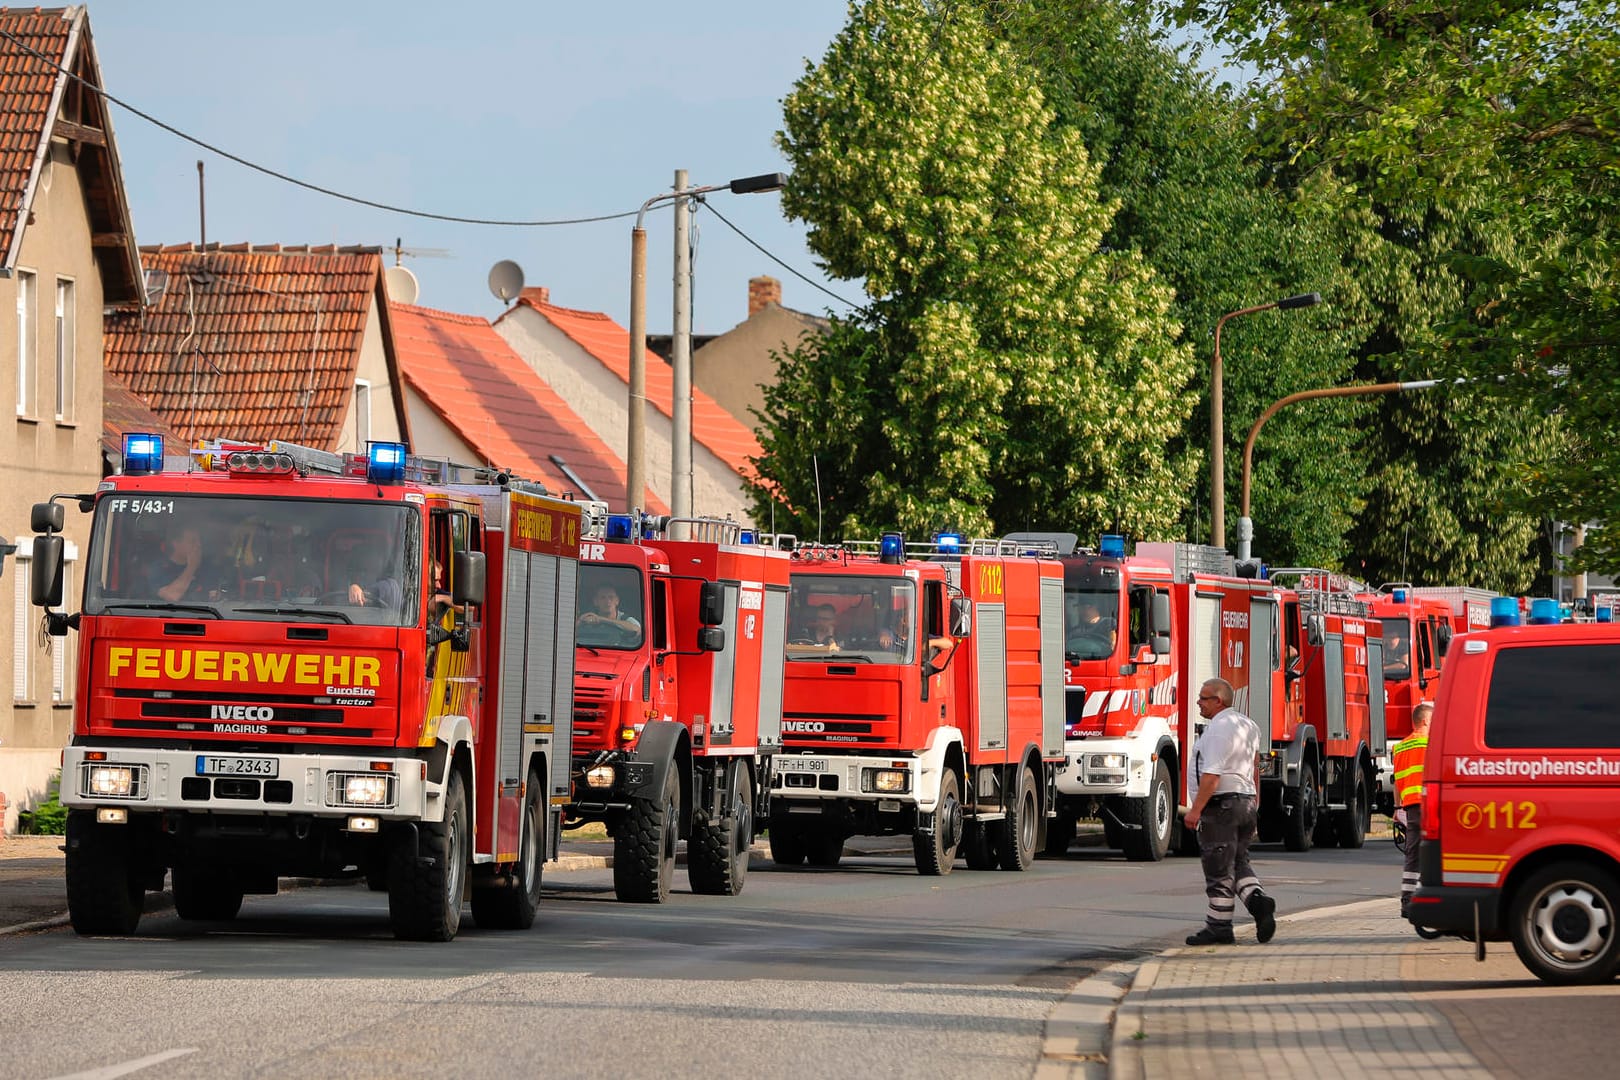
[610, 607]
[1397, 648]
[867, 616]
[278, 559]
[1091, 623]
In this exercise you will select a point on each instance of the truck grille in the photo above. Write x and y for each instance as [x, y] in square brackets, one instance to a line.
[591, 707]
[804, 730]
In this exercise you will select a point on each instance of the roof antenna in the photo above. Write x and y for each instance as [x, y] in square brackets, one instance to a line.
[202, 208]
[815, 463]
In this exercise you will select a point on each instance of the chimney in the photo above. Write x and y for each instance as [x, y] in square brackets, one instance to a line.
[763, 291]
[539, 294]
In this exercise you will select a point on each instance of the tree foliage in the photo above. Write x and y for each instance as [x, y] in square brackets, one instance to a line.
[1011, 370]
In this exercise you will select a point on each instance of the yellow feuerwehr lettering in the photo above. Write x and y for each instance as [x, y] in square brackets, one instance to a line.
[307, 670]
[367, 671]
[234, 667]
[271, 667]
[337, 670]
[207, 664]
[118, 658]
[176, 664]
[146, 663]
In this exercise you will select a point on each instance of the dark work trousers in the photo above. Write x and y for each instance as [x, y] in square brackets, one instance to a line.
[1414, 841]
[1225, 831]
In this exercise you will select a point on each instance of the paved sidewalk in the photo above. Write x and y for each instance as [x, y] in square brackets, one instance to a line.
[1349, 991]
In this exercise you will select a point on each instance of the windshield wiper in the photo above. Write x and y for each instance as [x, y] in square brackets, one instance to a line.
[206, 609]
[315, 613]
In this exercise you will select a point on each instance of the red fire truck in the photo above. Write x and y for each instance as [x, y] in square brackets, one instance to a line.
[1417, 629]
[1322, 723]
[677, 696]
[923, 698]
[292, 662]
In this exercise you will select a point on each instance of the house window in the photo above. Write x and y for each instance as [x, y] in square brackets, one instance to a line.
[25, 645]
[64, 349]
[362, 414]
[25, 342]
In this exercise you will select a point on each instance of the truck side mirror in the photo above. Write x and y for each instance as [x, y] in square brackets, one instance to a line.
[1161, 621]
[1161, 644]
[712, 604]
[961, 617]
[1442, 638]
[1313, 630]
[46, 517]
[711, 639]
[46, 568]
[469, 583]
[1145, 655]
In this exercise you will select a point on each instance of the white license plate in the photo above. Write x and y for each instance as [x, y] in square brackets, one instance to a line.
[793, 764]
[208, 765]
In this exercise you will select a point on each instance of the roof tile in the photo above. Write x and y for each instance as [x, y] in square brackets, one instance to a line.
[26, 85]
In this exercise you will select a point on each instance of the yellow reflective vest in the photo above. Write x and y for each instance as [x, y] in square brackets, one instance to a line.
[1407, 758]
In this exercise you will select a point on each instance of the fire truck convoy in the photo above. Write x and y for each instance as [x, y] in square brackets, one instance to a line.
[923, 697]
[677, 696]
[1143, 632]
[293, 662]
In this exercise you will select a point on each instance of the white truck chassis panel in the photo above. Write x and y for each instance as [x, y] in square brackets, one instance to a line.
[1083, 774]
[925, 771]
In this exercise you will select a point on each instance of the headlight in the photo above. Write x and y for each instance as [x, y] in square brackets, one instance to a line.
[1108, 761]
[599, 776]
[888, 781]
[118, 780]
[365, 790]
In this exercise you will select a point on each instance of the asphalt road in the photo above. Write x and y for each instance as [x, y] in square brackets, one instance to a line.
[864, 970]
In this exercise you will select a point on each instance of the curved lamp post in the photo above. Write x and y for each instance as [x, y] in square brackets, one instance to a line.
[1217, 429]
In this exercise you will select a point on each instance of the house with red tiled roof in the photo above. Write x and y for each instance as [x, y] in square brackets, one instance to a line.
[265, 342]
[585, 357]
[67, 254]
[473, 400]
[736, 366]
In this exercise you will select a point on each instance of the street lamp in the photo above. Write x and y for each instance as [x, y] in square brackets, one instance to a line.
[1245, 525]
[681, 355]
[1217, 432]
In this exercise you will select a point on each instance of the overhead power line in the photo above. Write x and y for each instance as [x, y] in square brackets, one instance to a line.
[761, 249]
[285, 178]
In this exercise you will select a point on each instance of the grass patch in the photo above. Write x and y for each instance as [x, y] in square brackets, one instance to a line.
[592, 830]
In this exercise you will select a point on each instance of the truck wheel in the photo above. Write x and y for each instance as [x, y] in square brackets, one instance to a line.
[1060, 833]
[787, 844]
[979, 845]
[717, 856]
[644, 846]
[1021, 826]
[1154, 814]
[203, 896]
[935, 850]
[426, 886]
[1564, 924]
[823, 848]
[1351, 822]
[512, 904]
[103, 891]
[1300, 827]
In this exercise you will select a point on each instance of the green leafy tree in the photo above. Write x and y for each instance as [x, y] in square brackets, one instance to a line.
[1011, 370]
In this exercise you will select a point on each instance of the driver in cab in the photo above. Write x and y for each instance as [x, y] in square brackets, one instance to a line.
[605, 612]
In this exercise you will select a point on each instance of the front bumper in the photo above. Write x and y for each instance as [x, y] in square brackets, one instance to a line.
[905, 781]
[311, 784]
[1105, 767]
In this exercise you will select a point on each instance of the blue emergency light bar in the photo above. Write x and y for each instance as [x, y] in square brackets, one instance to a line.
[1111, 545]
[619, 527]
[1544, 612]
[1605, 614]
[143, 453]
[748, 536]
[948, 543]
[385, 462]
[1399, 595]
[1504, 611]
[892, 548]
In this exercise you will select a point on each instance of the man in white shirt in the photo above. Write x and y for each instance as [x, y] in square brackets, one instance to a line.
[1223, 812]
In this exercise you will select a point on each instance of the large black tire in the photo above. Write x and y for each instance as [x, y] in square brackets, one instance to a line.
[644, 846]
[979, 844]
[823, 847]
[717, 855]
[787, 844]
[512, 904]
[1350, 824]
[104, 892]
[425, 894]
[1565, 923]
[935, 850]
[1154, 818]
[1060, 833]
[1300, 826]
[1021, 825]
[202, 895]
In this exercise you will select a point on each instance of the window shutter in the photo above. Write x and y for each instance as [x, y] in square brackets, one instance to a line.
[20, 655]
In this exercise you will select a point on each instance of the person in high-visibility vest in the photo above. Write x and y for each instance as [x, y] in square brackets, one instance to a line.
[1407, 759]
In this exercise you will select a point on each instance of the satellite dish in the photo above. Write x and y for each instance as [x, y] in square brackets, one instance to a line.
[506, 280]
[401, 285]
